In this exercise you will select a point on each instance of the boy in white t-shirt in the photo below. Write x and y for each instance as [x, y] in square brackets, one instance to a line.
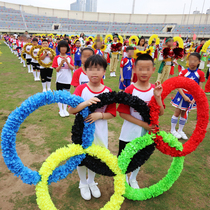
[134, 126]
[95, 68]
[80, 77]
[64, 66]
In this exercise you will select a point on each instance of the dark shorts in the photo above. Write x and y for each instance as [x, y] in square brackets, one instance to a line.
[123, 85]
[78, 63]
[28, 60]
[61, 86]
[36, 66]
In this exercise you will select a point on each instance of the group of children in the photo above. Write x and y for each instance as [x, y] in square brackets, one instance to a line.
[88, 82]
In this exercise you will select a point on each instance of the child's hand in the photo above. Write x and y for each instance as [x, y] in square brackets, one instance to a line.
[193, 101]
[158, 89]
[150, 128]
[65, 59]
[93, 100]
[93, 117]
[62, 62]
[187, 99]
[122, 79]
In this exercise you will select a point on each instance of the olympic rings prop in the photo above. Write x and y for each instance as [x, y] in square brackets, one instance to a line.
[164, 184]
[45, 65]
[202, 115]
[139, 105]
[24, 48]
[17, 117]
[43, 198]
[32, 51]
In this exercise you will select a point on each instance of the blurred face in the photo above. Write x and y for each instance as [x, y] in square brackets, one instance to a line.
[85, 55]
[95, 73]
[115, 39]
[63, 50]
[144, 70]
[99, 44]
[142, 41]
[146, 45]
[58, 40]
[24, 39]
[130, 53]
[203, 42]
[193, 62]
[35, 43]
[44, 44]
[77, 44]
[29, 40]
[170, 43]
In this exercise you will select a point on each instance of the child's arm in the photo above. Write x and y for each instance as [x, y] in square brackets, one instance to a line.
[81, 106]
[184, 96]
[140, 123]
[121, 74]
[59, 67]
[201, 85]
[98, 115]
[157, 94]
[69, 65]
[43, 55]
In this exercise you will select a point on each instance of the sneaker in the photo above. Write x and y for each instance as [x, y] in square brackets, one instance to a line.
[85, 191]
[61, 113]
[37, 79]
[66, 113]
[183, 135]
[208, 65]
[208, 93]
[49, 90]
[114, 75]
[44, 90]
[24, 67]
[134, 184]
[176, 134]
[95, 190]
[111, 73]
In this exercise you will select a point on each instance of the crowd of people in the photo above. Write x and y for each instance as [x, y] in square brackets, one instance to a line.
[81, 62]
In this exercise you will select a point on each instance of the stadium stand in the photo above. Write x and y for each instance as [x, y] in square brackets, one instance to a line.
[20, 20]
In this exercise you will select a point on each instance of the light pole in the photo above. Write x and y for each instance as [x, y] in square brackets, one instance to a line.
[133, 6]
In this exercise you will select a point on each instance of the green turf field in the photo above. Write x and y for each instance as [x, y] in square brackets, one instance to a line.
[44, 131]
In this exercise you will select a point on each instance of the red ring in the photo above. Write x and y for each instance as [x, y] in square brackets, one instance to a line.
[202, 115]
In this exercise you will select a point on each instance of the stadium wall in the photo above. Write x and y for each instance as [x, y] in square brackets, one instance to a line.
[114, 17]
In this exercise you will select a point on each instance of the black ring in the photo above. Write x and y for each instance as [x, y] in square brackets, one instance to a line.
[139, 105]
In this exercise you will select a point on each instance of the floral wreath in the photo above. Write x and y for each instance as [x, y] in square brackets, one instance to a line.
[45, 65]
[22, 55]
[32, 51]
[24, 48]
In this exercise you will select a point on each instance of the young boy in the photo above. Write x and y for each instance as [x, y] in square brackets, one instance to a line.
[80, 77]
[28, 56]
[46, 73]
[126, 69]
[64, 66]
[35, 63]
[95, 68]
[77, 55]
[133, 125]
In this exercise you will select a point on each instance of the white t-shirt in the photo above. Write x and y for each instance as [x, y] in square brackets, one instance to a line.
[101, 126]
[64, 76]
[46, 60]
[28, 48]
[129, 130]
[35, 52]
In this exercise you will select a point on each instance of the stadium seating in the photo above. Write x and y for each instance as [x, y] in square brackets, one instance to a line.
[16, 19]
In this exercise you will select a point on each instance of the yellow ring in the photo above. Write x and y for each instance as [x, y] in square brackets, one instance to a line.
[32, 49]
[24, 48]
[45, 65]
[22, 55]
[43, 197]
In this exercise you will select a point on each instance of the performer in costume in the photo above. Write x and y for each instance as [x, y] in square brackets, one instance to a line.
[184, 101]
[100, 116]
[190, 50]
[126, 44]
[28, 56]
[115, 49]
[126, 69]
[64, 66]
[77, 55]
[141, 44]
[168, 55]
[203, 54]
[46, 73]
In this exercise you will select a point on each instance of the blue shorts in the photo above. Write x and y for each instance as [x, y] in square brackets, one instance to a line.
[78, 63]
[123, 85]
[180, 103]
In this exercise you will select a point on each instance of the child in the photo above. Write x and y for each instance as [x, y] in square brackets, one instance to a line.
[35, 63]
[95, 68]
[126, 69]
[126, 44]
[98, 50]
[64, 66]
[28, 56]
[133, 125]
[207, 86]
[56, 46]
[24, 54]
[183, 101]
[77, 55]
[141, 44]
[46, 73]
[80, 77]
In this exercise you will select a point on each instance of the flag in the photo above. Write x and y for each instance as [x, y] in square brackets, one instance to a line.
[188, 111]
[180, 68]
[186, 39]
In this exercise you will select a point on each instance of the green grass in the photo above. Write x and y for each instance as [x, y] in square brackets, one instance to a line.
[44, 131]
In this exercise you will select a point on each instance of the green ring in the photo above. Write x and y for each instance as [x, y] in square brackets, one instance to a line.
[158, 188]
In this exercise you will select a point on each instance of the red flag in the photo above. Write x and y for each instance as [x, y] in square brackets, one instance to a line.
[194, 37]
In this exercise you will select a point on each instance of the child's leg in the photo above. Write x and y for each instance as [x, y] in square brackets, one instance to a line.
[182, 121]
[82, 174]
[174, 119]
[49, 77]
[91, 176]
[43, 79]
[38, 74]
[34, 73]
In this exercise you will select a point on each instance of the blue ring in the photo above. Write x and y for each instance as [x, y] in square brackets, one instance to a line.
[17, 117]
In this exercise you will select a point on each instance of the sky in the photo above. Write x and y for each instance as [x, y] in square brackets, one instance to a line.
[125, 6]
